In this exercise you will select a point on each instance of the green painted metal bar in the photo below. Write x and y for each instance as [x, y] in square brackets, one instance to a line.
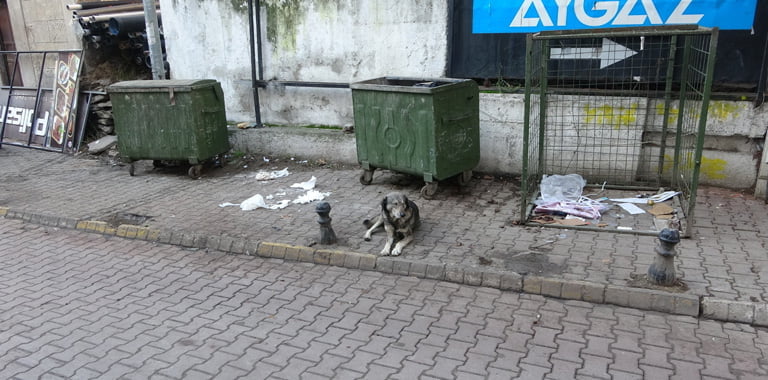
[524, 185]
[702, 127]
[667, 103]
[680, 115]
[626, 32]
[543, 79]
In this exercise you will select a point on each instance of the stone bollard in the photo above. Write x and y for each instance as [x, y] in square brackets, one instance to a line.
[327, 236]
[662, 271]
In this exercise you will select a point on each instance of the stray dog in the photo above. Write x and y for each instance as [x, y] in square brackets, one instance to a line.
[399, 216]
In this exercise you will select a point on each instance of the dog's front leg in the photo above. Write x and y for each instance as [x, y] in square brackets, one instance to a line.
[390, 239]
[376, 224]
[402, 243]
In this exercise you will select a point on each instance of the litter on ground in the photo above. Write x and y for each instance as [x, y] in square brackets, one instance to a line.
[308, 185]
[259, 201]
[310, 196]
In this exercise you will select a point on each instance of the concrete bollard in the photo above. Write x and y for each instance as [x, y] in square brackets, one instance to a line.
[327, 236]
[662, 271]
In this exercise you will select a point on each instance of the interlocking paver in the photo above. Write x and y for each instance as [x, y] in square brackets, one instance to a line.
[434, 329]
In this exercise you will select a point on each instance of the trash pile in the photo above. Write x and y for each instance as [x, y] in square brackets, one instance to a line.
[562, 202]
[258, 201]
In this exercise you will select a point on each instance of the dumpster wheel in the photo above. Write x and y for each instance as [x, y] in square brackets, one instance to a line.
[429, 190]
[464, 178]
[195, 171]
[132, 169]
[367, 177]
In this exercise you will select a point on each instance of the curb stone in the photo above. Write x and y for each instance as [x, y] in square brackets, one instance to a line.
[684, 304]
[735, 311]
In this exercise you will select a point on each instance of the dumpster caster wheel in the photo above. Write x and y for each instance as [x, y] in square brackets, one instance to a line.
[132, 169]
[195, 171]
[429, 190]
[464, 178]
[367, 177]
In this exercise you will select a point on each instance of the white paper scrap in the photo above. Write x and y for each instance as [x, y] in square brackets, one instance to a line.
[265, 175]
[280, 205]
[665, 196]
[226, 204]
[630, 200]
[311, 196]
[308, 185]
[252, 203]
[631, 208]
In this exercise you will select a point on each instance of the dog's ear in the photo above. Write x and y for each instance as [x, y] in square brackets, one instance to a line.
[384, 203]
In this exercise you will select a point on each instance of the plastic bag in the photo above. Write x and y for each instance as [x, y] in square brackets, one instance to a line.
[557, 188]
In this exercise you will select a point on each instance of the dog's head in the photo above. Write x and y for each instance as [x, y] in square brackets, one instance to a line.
[396, 206]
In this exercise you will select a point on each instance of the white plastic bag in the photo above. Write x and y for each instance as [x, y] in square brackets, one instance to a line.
[558, 188]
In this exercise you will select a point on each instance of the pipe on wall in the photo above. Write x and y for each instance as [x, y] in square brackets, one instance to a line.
[254, 31]
[98, 4]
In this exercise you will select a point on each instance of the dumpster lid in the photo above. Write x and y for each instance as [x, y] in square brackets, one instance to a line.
[407, 84]
[178, 85]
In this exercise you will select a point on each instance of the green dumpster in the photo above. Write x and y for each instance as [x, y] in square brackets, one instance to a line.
[170, 120]
[423, 127]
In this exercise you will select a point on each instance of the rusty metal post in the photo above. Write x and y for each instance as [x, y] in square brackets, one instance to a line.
[327, 236]
[662, 271]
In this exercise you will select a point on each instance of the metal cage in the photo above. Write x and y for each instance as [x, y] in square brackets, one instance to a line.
[624, 108]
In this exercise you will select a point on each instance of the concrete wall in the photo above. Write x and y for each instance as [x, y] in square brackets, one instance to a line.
[41, 25]
[351, 40]
[728, 157]
[321, 41]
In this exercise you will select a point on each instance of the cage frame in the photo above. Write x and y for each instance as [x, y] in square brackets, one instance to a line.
[679, 38]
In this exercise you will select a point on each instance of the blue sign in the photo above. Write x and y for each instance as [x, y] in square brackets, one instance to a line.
[528, 16]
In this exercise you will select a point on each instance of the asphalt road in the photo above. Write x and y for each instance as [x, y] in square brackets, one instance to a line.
[77, 305]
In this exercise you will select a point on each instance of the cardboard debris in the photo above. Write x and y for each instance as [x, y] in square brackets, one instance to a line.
[660, 209]
[571, 222]
[543, 219]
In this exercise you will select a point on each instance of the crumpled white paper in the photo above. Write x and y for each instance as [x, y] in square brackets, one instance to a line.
[263, 175]
[310, 196]
[257, 201]
[252, 203]
[308, 185]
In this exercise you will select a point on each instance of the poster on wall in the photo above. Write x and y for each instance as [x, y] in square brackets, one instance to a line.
[44, 117]
[530, 16]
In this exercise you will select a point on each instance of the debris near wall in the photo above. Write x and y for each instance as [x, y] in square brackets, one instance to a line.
[120, 24]
[101, 115]
[115, 49]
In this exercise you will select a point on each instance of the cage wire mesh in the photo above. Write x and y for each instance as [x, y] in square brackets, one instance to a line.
[624, 108]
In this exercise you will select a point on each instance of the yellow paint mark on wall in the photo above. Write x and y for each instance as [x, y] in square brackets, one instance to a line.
[613, 116]
[718, 110]
[712, 168]
[723, 110]
[673, 113]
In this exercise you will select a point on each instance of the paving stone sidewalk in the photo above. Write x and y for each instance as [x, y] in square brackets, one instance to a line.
[75, 305]
[467, 235]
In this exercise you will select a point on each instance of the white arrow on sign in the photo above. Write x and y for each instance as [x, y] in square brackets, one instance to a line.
[608, 54]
